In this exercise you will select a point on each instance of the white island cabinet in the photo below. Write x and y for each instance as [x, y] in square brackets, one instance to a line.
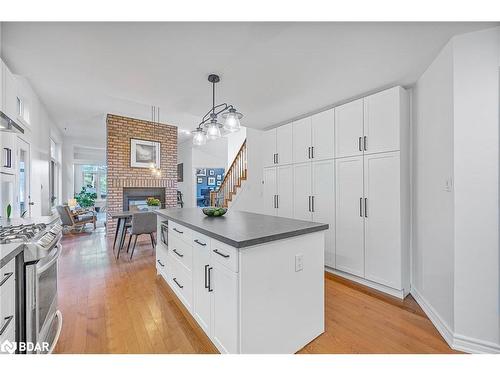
[254, 283]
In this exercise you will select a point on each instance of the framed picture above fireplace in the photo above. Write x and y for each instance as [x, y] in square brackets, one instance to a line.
[144, 153]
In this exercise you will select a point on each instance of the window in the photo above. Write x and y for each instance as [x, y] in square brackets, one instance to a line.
[95, 177]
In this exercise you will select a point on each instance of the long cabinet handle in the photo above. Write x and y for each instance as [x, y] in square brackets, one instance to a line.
[206, 278]
[309, 152]
[366, 209]
[312, 203]
[6, 277]
[210, 279]
[6, 323]
[312, 152]
[177, 253]
[360, 207]
[178, 231]
[179, 285]
[216, 251]
[200, 243]
[365, 143]
[277, 201]
[160, 263]
[359, 144]
[277, 158]
[309, 201]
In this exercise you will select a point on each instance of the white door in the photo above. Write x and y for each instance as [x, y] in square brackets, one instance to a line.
[301, 140]
[382, 125]
[322, 133]
[349, 217]
[284, 144]
[224, 284]
[382, 219]
[349, 129]
[285, 191]
[323, 192]
[23, 180]
[269, 148]
[302, 191]
[201, 293]
[270, 191]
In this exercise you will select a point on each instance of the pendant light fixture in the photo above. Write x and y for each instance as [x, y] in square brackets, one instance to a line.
[209, 128]
[155, 119]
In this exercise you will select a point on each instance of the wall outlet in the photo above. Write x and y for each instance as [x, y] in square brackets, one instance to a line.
[299, 262]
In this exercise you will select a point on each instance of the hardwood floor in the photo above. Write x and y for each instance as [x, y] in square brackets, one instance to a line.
[122, 306]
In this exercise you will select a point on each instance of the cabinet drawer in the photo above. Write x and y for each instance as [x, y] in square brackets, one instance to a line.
[180, 281]
[224, 254]
[179, 231]
[181, 252]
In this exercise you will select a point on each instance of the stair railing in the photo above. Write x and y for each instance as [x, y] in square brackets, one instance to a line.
[236, 173]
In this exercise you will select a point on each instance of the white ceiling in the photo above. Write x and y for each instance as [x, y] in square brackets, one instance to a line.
[272, 72]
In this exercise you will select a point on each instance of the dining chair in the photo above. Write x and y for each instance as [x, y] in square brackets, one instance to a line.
[142, 223]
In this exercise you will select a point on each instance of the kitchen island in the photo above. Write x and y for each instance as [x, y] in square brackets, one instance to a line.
[254, 283]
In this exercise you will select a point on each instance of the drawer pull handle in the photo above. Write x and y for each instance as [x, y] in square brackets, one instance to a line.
[6, 277]
[200, 243]
[178, 254]
[160, 263]
[216, 251]
[8, 319]
[206, 278]
[178, 231]
[179, 285]
[210, 279]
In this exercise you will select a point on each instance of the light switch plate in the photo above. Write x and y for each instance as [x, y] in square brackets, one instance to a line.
[299, 262]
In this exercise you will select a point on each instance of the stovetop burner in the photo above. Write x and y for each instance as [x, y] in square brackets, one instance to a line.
[20, 233]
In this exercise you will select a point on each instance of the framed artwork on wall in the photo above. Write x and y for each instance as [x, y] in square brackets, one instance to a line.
[212, 172]
[211, 181]
[144, 153]
[219, 183]
[200, 180]
[201, 171]
[219, 177]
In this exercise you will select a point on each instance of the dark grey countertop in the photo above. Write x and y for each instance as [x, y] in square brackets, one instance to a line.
[239, 228]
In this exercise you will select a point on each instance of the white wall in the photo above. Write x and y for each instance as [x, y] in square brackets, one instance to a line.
[234, 142]
[433, 212]
[476, 153]
[456, 233]
[250, 196]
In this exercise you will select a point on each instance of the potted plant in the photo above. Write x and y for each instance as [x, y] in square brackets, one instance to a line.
[86, 198]
[153, 203]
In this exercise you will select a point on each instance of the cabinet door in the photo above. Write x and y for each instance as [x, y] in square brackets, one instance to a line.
[382, 125]
[224, 284]
[269, 147]
[270, 191]
[301, 140]
[349, 218]
[201, 293]
[302, 191]
[284, 144]
[285, 191]
[349, 129]
[322, 133]
[323, 205]
[383, 219]
[10, 94]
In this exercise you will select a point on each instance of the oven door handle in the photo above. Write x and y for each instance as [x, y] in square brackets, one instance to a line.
[58, 316]
[54, 258]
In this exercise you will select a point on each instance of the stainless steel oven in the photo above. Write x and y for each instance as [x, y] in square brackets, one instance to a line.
[43, 320]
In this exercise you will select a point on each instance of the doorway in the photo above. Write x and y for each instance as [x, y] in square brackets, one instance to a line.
[23, 193]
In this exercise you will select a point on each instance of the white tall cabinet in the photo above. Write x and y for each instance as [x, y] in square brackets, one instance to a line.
[350, 170]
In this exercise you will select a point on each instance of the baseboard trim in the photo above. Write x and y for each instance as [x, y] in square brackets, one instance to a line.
[455, 341]
[382, 288]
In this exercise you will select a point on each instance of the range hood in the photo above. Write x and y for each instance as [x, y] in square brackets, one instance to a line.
[8, 125]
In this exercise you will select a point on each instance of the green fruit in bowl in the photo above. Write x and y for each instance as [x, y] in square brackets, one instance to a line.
[214, 211]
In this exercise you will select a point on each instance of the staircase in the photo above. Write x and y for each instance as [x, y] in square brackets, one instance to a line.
[236, 174]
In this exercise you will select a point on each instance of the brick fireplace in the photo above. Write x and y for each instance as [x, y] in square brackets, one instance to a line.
[121, 176]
